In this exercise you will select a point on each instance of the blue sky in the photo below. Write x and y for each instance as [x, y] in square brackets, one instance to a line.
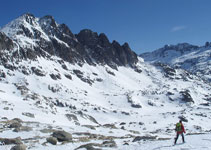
[145, 24]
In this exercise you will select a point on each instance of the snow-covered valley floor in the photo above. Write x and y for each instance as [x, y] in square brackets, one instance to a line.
[102, 107]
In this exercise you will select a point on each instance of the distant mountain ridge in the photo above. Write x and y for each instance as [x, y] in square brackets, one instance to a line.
[36, 36]
[196, 59]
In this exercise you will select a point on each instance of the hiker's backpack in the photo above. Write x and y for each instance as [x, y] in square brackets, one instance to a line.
[178, 127]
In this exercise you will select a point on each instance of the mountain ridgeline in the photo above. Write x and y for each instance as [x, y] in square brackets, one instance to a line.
[44, 37]
[195, 59]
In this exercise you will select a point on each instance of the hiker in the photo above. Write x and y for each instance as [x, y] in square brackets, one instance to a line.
[180, 130]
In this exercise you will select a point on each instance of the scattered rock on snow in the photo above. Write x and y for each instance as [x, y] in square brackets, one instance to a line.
[90, 127]
[8, 141]
[112, 126]
[186, 97]
[136, 106]
[23, 128]
[37, 71]
[18, 120]
[52, 140]
[141, 123]
[49, 130]
[68, 76]
[110, 72]
[110, 143]
[90, 146]
[139, 138]
[198, 127]
[55, 76]
[19, 147]
[182, 118]
[97, 146]
[2, 74]
[4, 118]
[99, 79]
[15, 124]
[28, 114]
[62, 136]
[206, 104]
[71, 117]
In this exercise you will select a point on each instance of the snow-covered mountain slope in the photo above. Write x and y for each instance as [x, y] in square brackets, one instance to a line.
[99, 106]
[192, 58]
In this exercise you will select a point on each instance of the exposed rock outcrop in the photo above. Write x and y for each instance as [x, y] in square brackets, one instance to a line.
[5, 42]
[62, 136]
[19, 147]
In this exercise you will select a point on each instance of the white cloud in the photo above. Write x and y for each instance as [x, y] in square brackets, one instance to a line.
[178, 28]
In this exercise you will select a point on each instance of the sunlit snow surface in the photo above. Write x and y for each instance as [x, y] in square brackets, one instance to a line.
[107, 102]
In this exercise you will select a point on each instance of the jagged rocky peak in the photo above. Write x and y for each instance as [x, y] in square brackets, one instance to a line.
[48, 24]
[26, 25]
[19, 25]
[28, 17]
[103, 40]
[88, 37]
[180, 47]
[5, 42]
[52, 28]
[64, 29]
[128, 50]
[126, 55]
[115, 44]
[207, 44]
[122, 48]
[126, 46]
[169, 51]
[48, 21]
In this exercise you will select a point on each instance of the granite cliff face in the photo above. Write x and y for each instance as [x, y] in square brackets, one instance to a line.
[104, 52]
